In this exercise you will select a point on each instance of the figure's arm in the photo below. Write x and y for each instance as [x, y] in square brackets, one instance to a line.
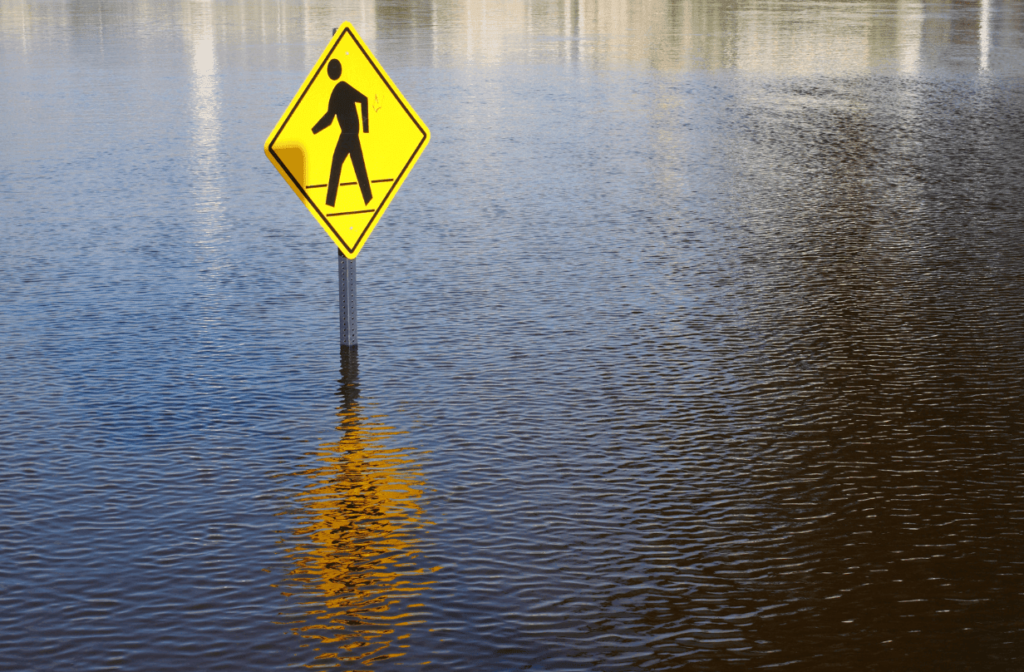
[366, 113]
[324, 122]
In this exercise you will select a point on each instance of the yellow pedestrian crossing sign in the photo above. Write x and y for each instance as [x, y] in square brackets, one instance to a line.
[347, 141]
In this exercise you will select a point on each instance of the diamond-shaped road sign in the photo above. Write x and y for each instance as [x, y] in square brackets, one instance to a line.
[347, 141]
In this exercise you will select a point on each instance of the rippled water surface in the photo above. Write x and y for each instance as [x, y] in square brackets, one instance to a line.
[695, 340]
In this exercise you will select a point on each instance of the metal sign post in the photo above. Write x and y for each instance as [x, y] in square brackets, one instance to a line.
[347, 300]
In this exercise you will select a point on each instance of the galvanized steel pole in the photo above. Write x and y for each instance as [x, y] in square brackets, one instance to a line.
[347, 300]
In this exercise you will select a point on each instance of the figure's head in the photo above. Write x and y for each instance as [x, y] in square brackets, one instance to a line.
[334, 68]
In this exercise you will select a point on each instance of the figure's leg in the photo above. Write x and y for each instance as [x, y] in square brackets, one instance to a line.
[340, 152]
[360, 168]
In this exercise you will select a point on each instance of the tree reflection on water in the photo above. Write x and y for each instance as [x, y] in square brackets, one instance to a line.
[354, 542]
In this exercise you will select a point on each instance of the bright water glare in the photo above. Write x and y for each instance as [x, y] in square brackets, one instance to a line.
[694, 341]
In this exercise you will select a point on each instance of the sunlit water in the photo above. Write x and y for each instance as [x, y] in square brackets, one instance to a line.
[693, 341]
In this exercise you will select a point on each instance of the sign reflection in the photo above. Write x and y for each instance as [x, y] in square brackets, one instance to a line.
[354, 542]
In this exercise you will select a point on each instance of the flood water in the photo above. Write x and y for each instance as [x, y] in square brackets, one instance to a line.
[695, 340]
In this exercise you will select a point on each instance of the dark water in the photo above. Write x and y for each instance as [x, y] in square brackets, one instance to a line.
[693, 341]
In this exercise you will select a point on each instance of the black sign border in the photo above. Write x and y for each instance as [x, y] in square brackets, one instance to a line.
[398, 178]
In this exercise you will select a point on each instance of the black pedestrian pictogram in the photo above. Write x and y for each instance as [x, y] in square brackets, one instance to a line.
[343, 106]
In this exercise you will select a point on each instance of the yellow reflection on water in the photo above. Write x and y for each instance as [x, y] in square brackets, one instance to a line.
[355, 543]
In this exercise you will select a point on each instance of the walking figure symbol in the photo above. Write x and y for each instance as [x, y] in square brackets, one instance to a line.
[342, 106]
